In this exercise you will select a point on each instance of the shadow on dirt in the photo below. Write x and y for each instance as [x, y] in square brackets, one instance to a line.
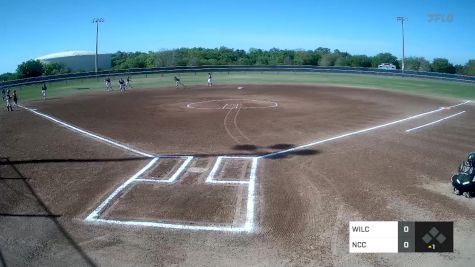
[2, 259]
[277, 151]
[46, 212]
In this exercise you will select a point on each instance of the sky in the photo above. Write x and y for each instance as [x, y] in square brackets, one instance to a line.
[434, 28]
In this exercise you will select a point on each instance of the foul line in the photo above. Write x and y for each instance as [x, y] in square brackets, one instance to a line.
[71, 127]
[434, 122]
[361, 131]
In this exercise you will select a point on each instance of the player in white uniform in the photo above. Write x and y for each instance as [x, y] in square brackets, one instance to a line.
[8, 99]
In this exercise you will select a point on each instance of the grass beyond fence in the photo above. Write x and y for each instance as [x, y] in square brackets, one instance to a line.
[457, 90]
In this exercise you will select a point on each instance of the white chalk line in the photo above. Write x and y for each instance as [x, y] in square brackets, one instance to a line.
[244, 228]
[361, 131]
[247, 227]
[228, 131]
[272, 103]
[249, 224]
[95, 214]
[175, 176]
[212, 175]
[460, 104]
[90, 134]
[434, 122]
[237, 127]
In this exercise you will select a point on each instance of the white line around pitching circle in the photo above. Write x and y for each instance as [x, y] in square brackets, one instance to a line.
[434, 122]
[272, 103]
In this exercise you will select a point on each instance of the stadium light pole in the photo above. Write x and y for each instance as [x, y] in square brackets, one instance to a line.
[402, 19]
[97, 21]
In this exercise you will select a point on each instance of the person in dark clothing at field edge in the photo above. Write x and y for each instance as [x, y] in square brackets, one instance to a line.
[43, 91]
[127, 83]
[15, 98]
[178, 82]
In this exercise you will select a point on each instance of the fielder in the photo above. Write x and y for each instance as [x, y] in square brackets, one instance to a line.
[8, 99]
[122, 85]
[43, 91]
[178, 82]
[210, 79]
[108, 84]
[127, 83]
[15, 98]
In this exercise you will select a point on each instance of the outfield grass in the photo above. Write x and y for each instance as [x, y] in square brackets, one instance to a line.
[456, 90]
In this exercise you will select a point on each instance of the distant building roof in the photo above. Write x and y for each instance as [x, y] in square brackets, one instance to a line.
[66, 54]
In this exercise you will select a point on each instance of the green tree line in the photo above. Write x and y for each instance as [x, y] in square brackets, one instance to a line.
[227, 56]
[35, 68]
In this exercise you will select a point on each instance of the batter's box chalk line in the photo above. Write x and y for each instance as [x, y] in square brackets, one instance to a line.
[248, 226]
[225, 180]
[174, 177]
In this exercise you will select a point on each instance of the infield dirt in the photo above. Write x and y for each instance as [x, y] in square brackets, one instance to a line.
[51, 178]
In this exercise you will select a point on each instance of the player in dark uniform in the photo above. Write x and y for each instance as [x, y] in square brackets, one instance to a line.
[108, 84]
[210, 79]
[43, 90]
[127, 83]
[178, 82]
[15, 98]
[121, 85]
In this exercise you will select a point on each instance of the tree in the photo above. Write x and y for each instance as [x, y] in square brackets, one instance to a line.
[55, 69]
[384, 58]
[416, 64]
[7, 76]
[360, 61]
[469, 68]
[30, 68]
[323, 51]
[342, 61]
[442, 65]
[328, 60]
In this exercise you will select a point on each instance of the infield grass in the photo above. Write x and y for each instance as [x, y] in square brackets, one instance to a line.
[438, 88]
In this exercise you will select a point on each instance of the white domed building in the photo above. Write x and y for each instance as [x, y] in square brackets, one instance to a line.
[79, 60]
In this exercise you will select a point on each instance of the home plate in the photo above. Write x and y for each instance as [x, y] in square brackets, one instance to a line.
[197, 169]
[240, 87]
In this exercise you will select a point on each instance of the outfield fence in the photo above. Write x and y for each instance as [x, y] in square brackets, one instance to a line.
[239, 68]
